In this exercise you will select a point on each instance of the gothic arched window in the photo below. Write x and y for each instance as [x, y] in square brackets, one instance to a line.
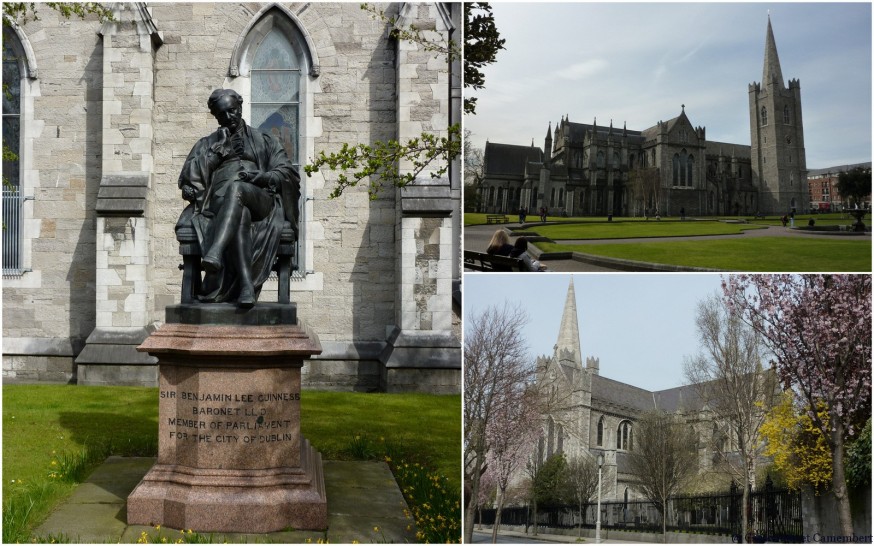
[274, 64]
[601, 431]
[786, 114]
[623, 436]
[550, 438]
[764, 116]
[676, 170]
[18, 70]
[275, 100]
[690, 169]
[631, 161]
[600, 160]
[615, 160]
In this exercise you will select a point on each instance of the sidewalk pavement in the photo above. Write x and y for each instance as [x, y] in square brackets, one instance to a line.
[545, 537]
[364, 506]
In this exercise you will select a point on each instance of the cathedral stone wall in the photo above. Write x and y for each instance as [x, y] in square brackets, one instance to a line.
[49, 311]
[346, 287]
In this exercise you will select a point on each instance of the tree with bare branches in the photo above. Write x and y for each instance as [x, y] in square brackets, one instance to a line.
[496, 363]
[727, 376]
[512, 435]
[662, 460]
[582, 475]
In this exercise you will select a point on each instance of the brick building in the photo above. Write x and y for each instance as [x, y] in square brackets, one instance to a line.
[823, 185]
[103, 115]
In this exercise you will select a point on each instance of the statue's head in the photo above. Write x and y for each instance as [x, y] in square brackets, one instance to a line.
[226, 105]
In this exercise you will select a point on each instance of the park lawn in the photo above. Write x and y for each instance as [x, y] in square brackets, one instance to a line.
[479, 218]
[49, 429]
[830, 219]
[760, 254]
[624, 229]
[425, 428]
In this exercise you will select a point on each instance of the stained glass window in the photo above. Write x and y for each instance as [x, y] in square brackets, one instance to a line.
[11, 106]
[276, 91]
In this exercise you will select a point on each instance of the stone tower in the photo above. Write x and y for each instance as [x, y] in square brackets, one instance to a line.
[573, 405]
[567, 346]
[777, 137]
[547, 145]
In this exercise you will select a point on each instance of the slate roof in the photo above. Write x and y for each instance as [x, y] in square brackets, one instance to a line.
[684, 398]
[578, 130]
[510, 158]
[621, 394]
[628, 396]
[740, 151]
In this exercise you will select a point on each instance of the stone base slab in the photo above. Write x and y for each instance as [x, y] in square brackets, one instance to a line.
[217, 500]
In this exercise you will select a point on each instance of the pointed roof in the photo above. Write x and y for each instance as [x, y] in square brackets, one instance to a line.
[771, 71]
[569, 331]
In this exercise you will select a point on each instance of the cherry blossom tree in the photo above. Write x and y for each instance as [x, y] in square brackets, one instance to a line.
[819, 330]
[512, 435]
[487, 491]
[496, 363]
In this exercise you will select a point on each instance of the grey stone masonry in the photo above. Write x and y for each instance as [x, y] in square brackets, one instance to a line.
[123, 226]
[423, 350]
[115, 111]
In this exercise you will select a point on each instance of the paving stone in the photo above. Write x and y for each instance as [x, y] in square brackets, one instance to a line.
[364, 505]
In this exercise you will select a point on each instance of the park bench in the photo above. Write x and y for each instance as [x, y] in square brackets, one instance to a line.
[496, 219]
[480, 261]
[189, 248]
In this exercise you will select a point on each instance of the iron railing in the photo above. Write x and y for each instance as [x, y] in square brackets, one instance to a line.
[774, 515]
[13, 227]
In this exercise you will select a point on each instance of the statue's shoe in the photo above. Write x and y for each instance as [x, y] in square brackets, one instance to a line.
[210, 264]
[247, 298]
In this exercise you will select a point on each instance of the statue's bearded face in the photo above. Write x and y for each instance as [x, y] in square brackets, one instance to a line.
[228, 113]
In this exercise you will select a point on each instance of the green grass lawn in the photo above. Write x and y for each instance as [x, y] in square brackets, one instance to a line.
[46, 428]
[760, 254]
[629, 229]
[830, 219]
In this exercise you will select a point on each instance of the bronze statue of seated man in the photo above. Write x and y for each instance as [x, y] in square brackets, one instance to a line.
[242, 188]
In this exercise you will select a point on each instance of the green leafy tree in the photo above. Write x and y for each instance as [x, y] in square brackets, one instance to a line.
[855, 184]
[381, 162]
[474, 172]
[549, 488]
[482, 41]
[21, 12]
[859, 459]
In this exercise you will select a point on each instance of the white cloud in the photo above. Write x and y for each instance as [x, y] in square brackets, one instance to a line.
[585, 69]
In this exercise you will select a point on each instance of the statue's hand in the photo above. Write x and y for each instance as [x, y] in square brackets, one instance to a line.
[188, 193]
[253, 177]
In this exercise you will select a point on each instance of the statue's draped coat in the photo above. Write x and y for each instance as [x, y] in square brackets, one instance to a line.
[200, 167]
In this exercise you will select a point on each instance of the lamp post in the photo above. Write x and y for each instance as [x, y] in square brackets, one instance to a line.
[598, 521]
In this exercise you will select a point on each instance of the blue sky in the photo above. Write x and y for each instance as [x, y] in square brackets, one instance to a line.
[639, 62]
[640, 326]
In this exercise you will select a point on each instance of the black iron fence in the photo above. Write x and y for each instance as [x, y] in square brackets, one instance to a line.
[774, 515]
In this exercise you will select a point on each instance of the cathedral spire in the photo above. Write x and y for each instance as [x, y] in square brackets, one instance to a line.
[569, 331]
[771, 72]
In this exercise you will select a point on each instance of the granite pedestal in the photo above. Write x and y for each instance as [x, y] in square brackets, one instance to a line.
[230, 454]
